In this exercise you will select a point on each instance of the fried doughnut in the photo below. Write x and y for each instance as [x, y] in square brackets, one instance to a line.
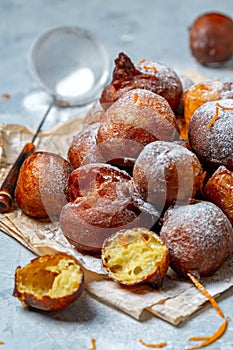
[149, 75]
[94, 115]
[199, 238]
[219, 190]
[84, 149]
[103, 200]
[49, 282]
[206, 91]
[211, 38]
[135, 256]
[211, 134]
[137, 118]
[165, 172]
[98, 179]
[41, 186]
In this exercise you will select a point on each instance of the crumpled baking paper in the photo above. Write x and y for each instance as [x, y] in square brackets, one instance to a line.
[175, 302]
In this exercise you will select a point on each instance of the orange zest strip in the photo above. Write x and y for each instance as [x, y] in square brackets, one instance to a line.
[6, 96]
[202, 289]
[209, 340]
[200, 338]
[93, 347]
[146, 242]
[135, 98]
[150, 67]
[153, 346]
[216, 114]
[215, 117]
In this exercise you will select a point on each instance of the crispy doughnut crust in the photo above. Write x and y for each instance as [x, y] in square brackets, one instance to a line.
[94, 115]
[199, 238]
[103, 199]
[41, 186]
[137, 118]
[211, 38]
[219, 190]
[84, 149]
[206, 91]
[149, 75]
[166, 172]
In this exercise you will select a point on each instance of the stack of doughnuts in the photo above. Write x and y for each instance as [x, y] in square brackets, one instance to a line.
[132, 167]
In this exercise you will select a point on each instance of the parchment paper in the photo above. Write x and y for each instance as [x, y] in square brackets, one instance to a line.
[175, 302]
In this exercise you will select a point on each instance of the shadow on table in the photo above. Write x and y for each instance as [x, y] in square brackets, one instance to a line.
[80, 311]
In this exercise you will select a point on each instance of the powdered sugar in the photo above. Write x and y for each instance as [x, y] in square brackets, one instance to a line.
[199, 237]
[166, 171]
[213, 144]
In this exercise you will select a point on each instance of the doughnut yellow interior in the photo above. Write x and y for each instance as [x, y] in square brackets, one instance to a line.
[134, 255]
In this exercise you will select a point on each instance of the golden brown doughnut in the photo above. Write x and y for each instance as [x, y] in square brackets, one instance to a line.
[147, 74]
[41, 187]
[103, 200]
[206, 91]
[84, 149]
[95, 114]
[211, 133]
[98, 179]
[219, 190]
[137, 118]
[199, 238]
[167, 172]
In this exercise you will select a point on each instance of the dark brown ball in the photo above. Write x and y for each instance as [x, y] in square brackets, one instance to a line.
[41, 186]
[211, 38]
[199, 238]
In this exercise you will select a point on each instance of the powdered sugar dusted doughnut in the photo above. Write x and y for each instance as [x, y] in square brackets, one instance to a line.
[199, 237]
[134, 120]
[103, 200]
[97, 179]
[83, 149]
[95, 114]
[211, 133]
[41, 186]
[165, 83]
[148, 75]
[165, 172]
